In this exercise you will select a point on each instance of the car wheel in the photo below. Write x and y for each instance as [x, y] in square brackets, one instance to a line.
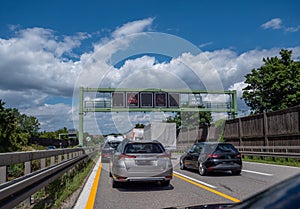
[237, 172]
[165, 183]
[202, 169]
[115, 184]
[181, 164]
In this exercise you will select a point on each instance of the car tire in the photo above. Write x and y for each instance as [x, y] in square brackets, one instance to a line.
[181, 165]
[115, 184]
[236, 172]
[165, 183]
[202, 169]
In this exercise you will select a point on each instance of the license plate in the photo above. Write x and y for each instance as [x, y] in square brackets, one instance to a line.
[144, 162]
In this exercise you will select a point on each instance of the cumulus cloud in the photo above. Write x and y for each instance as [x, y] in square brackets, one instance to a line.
[37, 65]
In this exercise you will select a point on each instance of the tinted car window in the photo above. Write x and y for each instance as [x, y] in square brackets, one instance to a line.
[210, 148]
[143, 148]
[226, 148]
[112, 145]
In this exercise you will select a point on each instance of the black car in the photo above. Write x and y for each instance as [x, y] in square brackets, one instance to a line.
[212, 157]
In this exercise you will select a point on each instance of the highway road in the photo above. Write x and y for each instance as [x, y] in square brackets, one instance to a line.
[186, 188]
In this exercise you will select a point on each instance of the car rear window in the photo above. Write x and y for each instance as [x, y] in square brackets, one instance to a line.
[112, 145]
[210, 148]
[143, 148]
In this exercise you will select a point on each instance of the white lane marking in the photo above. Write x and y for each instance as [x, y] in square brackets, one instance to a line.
[274, 165]
[200, 182]
[260, 173]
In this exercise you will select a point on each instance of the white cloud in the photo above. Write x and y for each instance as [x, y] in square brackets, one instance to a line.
[275, 23]
[37, 65]
[132, 27]
[52, 116]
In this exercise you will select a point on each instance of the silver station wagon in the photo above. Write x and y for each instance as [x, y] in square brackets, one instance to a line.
[141, 160]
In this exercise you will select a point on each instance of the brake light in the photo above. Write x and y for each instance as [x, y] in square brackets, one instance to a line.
[212, 156]
[169, 177]
[121, 156]
[239, 155]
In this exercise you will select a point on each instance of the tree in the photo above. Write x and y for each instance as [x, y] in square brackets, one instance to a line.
[15, 128]
[190, 119]
[139, 125]
[11, 137]
[273, 86]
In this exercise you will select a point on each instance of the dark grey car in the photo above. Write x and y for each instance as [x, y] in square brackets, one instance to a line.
[141, 161]
[212, 157]
[108, 149]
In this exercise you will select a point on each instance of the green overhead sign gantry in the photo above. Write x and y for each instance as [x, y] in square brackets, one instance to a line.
[150, 100]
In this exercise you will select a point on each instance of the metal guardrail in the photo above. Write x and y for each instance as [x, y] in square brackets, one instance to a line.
[262, 151]
[15, 191]
[271, 151]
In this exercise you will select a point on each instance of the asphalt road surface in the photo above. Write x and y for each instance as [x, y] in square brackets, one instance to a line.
[187, 187]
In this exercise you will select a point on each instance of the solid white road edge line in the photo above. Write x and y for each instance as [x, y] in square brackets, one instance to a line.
[85, 193]
[260, 173]
[200, 182]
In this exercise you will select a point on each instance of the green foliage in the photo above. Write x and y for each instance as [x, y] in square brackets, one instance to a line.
[273, 160]
[273, 86]
[190, 119]
[54, 134]
[15, 128]
[61, 189]
[139, 125]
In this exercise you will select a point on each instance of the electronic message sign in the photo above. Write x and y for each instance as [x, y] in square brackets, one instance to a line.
[160, 99]
[118, 99]
[132, 99]
[174, 100]
[195, 100]
[146, 99]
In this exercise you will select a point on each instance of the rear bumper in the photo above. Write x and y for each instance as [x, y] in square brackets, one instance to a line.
[143, 177]
[224, 167]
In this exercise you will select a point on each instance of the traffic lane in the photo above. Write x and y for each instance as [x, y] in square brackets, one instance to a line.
[256, 177]
[278, 172]
[151, 195]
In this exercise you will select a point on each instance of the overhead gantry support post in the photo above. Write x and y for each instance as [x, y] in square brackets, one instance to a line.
[81, 114]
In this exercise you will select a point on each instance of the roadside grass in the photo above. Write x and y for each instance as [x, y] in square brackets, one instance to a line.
[57, 192]
[273, 160]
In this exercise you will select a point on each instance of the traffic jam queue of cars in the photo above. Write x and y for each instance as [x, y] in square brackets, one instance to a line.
[148, 160]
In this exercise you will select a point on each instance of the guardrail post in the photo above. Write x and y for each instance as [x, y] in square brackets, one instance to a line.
[3, 174]
[52, 160]
[59, 158]
[27, 170]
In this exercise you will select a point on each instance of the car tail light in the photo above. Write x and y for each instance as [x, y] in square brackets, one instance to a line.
[169, 177]
[121, 178]
[212, 156]
[238, 155]
[121, 156]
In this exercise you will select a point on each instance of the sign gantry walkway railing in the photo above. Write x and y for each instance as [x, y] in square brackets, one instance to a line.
[153, 99]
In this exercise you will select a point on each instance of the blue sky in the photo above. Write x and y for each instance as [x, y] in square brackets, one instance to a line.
[43, 45]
